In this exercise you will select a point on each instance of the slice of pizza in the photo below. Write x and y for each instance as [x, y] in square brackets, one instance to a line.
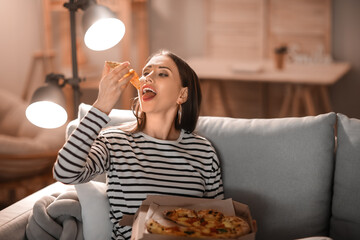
[182, 216]
[112, 64]
[134, 80]
[210, 215]
[236, 226]
[153, 226]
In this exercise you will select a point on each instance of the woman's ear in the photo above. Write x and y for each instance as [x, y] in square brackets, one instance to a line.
[183, 95]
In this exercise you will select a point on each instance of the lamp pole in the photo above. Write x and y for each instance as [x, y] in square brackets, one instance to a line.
[75, 80]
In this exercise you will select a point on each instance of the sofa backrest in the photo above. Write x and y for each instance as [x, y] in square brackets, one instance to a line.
[345, 220]
[281, 168]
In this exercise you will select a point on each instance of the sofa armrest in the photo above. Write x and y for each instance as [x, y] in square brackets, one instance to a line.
[13, 219]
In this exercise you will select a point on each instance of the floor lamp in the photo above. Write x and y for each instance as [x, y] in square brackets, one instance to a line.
[103, 31]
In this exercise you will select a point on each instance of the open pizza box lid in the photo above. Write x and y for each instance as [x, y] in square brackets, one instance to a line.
[154, 206]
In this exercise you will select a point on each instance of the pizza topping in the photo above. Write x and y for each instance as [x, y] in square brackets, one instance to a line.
[203, 223]
[184, 217]
[221, 230]
[189, 232]
[210, 215]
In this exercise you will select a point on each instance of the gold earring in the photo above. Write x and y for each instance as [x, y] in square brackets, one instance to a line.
[179, 114]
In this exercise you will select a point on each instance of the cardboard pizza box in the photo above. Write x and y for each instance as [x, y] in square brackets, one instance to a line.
[154, 205]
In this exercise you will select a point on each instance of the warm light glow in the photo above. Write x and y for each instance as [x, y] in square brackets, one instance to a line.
[46, 114]
[104, 34]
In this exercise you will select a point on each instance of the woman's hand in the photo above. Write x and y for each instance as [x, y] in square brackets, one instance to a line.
[111, 86]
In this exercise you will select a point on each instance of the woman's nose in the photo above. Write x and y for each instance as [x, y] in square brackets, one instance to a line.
[147, 78]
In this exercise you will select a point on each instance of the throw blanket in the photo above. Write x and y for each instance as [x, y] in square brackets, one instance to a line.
[56, 217]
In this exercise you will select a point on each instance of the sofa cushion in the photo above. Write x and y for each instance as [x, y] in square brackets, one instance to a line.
[281, 168]
[117, 116]
[95, 209]
[345, 220]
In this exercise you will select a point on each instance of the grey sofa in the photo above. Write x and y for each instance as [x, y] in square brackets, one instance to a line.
[299, 176]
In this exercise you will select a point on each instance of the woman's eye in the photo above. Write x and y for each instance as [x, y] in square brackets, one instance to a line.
[163, 74]
[145, 73]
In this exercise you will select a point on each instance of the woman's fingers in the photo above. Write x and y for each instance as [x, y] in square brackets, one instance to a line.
[111, 86]
[120, 75]
[117, 74]
[106, 69]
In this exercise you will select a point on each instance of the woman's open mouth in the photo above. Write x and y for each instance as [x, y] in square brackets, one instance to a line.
[148, 93]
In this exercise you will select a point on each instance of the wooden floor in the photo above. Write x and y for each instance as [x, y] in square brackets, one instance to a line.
[14, 190]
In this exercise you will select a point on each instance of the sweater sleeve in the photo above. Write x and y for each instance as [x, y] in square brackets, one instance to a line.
[84, 155]
[214, 185]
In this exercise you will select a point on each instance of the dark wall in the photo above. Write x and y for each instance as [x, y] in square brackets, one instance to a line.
[345, 94]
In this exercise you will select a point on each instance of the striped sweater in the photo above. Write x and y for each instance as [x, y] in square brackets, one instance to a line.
[137, 165]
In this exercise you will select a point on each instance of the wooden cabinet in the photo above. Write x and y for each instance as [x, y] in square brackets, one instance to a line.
[241, 38]
[303, 24]
[235, 29]
[251, 29]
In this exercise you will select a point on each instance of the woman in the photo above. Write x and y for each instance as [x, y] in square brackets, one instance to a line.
[160, 155]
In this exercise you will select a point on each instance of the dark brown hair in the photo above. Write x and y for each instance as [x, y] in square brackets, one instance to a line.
[190, 110]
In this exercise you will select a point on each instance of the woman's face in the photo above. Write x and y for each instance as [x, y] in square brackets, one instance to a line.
[161, 88]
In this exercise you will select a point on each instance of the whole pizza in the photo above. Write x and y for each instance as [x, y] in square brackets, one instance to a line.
[207, 223]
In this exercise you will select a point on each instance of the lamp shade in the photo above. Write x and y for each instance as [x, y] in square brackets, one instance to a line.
[47, 107]
[102, 29]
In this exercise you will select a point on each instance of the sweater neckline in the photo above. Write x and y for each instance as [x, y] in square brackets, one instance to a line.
[163, 141]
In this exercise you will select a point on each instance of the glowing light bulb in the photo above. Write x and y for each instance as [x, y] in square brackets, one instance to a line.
[46, 114]
[104, 34]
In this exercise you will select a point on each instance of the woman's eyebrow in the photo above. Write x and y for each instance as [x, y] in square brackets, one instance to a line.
[146, 67]
[165, 68]
[161, 67]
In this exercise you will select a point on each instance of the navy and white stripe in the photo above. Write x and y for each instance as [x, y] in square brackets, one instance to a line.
[138, 165]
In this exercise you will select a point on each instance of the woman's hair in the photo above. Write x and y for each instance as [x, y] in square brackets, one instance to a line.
[190, 110]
